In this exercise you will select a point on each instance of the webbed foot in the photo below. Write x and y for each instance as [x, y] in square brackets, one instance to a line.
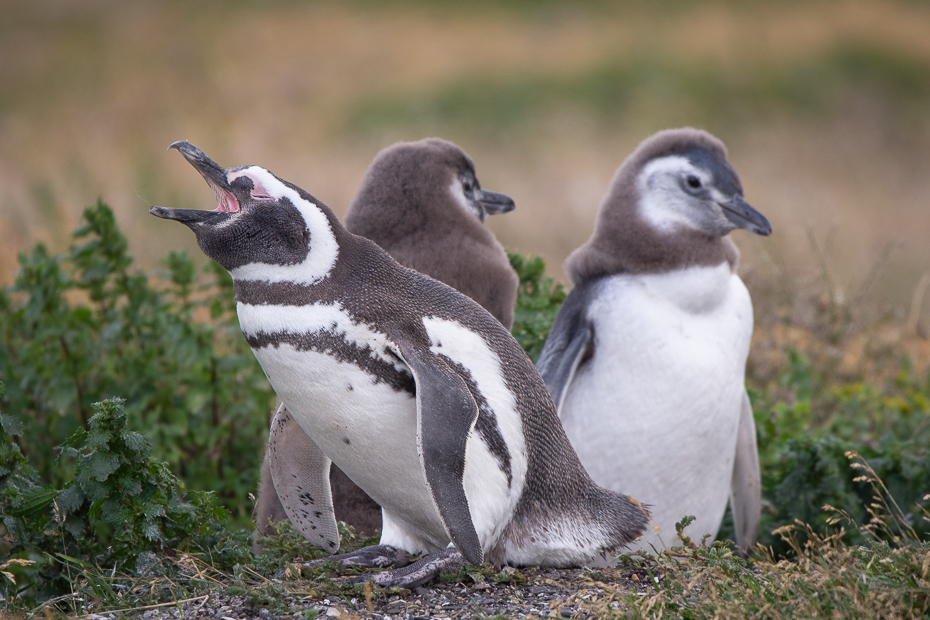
[422, 571]
[375, 556]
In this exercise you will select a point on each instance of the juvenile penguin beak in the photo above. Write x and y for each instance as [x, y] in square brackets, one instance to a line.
[214, 175]
[493, 202]
[740, 213]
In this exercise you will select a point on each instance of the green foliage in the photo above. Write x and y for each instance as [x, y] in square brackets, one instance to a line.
[538, 301]
[84, 326]
[806, 425]
[18, 491]
[119, 506]
[81, 328]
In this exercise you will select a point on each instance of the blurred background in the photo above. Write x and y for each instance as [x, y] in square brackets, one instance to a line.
[824, 106]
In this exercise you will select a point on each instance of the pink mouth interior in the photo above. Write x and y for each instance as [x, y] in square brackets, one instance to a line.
[225, 201]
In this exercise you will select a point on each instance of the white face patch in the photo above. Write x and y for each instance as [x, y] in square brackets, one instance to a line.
[331, 318]
[665, 205]
[458, 195]
[323, 246]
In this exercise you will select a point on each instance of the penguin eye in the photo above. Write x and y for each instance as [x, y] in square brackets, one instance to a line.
[693, 181]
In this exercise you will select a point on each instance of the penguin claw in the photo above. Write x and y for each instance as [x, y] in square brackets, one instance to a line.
[420, 572]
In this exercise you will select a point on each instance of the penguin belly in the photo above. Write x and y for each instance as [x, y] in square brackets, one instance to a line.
[654, 411]
[368, 427]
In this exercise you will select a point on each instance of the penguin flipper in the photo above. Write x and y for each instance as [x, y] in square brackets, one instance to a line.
[746, 485]
[570, 341]
[446, 413]
[300, 472]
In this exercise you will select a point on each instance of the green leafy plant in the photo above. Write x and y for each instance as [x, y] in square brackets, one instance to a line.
[85, 326]
[119, 506]
[538, 301]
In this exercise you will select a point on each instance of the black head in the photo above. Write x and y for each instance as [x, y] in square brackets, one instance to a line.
[260, 222]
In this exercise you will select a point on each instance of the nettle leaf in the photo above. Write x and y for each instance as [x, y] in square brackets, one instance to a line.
[129, 486]
[70, 500]
[137, 442]
[11, 424]
[151, 531]
[95, 490]
[101, 465]
[75, 526]
[112, 511]
[99, 438]
[34, 502]
[153, 510]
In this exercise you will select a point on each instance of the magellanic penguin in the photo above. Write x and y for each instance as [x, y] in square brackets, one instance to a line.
[415, 391]
[646, 359]
[422, 203]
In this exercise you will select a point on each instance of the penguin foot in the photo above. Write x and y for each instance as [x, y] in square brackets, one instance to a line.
[375, 556]
[422, 571]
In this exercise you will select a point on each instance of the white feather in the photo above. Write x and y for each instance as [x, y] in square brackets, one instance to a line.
[655, 412]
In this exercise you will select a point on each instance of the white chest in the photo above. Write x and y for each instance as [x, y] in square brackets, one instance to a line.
[654, 413]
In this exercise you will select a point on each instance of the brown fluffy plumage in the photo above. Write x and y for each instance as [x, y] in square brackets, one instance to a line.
[405, 206]
[623, 242]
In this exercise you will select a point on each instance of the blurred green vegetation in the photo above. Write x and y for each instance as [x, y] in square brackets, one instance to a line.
[669, 91]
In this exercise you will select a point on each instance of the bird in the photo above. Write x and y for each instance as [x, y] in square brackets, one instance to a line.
[422, 203]
[414, 390]
[646, 358]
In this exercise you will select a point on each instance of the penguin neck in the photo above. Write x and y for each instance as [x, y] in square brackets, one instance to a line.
[624, 241]
[352, 252]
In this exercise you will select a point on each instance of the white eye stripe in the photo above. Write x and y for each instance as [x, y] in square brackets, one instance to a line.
[664, 203]
[324, 249]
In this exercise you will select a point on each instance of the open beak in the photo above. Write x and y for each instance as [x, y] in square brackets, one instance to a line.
[493, 202]
[214, 175]
[740, 213]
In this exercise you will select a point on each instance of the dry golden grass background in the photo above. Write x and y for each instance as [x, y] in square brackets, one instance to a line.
[825, 108]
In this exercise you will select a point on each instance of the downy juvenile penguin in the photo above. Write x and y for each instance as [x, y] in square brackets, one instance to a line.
[646, 359]
[415, 391]
[422, 203]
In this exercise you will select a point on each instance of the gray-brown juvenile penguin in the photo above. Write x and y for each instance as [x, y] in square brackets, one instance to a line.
[422, 203]
[646, 359]
[415, 391]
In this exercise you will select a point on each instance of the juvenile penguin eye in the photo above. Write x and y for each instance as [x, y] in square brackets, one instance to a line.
[693, 181]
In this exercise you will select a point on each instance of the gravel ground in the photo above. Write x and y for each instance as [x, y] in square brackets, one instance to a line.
[526, 593]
